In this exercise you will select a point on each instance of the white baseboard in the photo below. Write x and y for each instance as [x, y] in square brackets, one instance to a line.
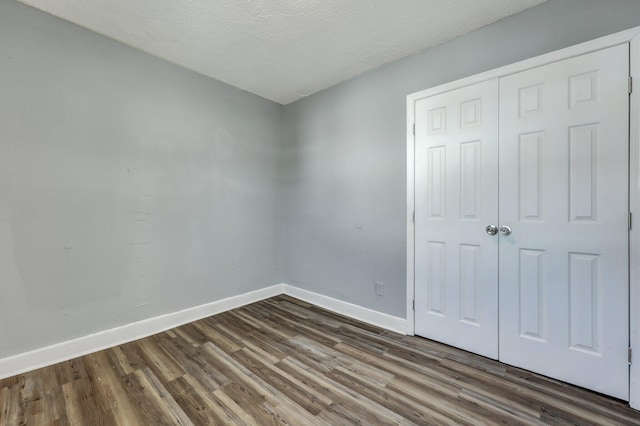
[388, 322]
[74, 348]
[64, 351]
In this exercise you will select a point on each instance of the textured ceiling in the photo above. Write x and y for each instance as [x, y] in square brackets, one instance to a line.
[282, 49]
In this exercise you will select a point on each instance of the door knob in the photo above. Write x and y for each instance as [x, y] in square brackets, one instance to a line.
[491, 229]
[505, 230]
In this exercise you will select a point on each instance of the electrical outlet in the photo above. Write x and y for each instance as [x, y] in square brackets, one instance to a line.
[379, 288]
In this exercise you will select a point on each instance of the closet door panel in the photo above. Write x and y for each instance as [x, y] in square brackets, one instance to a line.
[564, 194]
[456, 272]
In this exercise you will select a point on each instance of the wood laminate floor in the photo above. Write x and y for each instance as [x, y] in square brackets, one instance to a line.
[283, 361]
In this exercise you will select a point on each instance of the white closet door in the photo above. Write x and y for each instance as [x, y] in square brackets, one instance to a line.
[564, 193]
[456, 274]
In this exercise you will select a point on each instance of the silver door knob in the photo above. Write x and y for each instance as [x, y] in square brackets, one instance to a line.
[491, 229]
[505, 230]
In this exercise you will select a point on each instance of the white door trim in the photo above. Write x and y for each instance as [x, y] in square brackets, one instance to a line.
[634, 237]
[631, 36]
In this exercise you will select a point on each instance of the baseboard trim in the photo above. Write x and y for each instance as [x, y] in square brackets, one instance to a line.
[70, 349]
[64, 351]
[379, 319]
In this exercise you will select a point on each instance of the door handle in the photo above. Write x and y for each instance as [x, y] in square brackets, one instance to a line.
[505, 230]
[491, 229]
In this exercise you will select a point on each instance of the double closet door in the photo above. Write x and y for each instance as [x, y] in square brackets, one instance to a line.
[521, 226]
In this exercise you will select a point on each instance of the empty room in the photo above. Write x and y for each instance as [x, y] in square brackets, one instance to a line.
[319, 213]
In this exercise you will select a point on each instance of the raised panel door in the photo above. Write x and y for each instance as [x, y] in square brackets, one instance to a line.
[564, 193]
[456, 272]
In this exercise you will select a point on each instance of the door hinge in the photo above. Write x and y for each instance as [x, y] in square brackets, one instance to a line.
[414, 129]
[630, 221]
[630, 85]
[629, 356]
[414, 305]
[414, 217]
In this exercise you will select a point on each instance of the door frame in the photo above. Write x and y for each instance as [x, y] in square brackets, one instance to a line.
[631, 36]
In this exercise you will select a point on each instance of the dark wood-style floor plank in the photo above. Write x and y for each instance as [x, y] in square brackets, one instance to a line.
[283, 361]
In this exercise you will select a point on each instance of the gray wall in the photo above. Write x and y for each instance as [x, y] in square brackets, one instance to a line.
[343, 166]
[129, 187]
